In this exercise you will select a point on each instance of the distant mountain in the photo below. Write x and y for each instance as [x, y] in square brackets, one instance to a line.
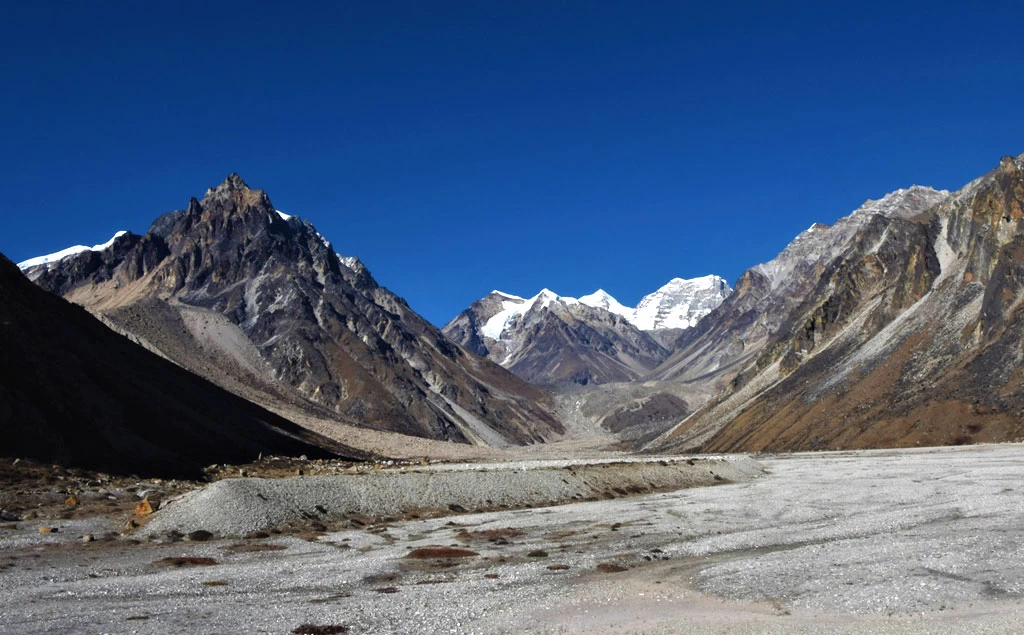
[259, 302]
[900, 325]
[72, 391]
[550, 339]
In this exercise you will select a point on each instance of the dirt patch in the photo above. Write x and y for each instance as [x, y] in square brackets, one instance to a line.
[320, 629]
[431, 552]
[242, 547]
[489, 535]
[608, 567]
[186, 561]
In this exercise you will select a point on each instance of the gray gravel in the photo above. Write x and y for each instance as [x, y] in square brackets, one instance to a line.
[236, 507]
[922, 541]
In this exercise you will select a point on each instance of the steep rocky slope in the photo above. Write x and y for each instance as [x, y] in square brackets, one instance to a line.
[74, 392]
[901, 325]
[554, 340]
[260, 303]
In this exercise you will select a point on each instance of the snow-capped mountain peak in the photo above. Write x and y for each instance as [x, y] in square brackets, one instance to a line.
[65, 253]
[679, 304]
[601, 299]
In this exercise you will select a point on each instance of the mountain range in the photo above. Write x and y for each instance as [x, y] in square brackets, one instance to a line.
[553, 340]
[898, 325]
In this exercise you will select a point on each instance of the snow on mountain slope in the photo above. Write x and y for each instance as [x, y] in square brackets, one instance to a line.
[65, 253]
[551, 340]
[678, 305]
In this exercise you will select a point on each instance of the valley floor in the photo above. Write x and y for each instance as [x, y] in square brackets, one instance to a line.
[900, 541]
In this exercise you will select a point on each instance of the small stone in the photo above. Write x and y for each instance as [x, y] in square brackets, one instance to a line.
[88, 538]
[71, 501]
[299, 472]
[144, 508]
[47, 530]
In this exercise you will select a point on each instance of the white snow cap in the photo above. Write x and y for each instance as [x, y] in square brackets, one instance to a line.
[65, 253]
[679, 304]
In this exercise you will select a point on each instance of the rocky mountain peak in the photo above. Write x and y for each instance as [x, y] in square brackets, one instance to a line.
[233, 194]
[295, 319]
[232, 182]
[905, 202]
[1011, 164]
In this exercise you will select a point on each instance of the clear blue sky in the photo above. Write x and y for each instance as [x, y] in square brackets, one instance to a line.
[462, 147]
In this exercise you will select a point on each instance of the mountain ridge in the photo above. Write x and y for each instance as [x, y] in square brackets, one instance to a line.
[556, 340]
[909, 334]
[261, 303]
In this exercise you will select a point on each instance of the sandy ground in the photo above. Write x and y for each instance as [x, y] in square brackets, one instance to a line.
[909, 541]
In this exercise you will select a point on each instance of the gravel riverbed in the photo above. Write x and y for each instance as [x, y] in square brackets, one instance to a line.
[903, 541]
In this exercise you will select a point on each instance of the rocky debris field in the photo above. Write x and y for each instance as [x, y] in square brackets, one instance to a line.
[909, 541]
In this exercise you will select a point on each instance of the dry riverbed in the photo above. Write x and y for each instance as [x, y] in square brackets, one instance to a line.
[908, 541]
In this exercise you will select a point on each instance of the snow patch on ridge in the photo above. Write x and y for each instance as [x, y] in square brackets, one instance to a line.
[66, 253]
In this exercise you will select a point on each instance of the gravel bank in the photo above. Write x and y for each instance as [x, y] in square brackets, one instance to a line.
[236, 507]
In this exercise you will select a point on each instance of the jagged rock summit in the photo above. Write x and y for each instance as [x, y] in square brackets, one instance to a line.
[259, 302]
[551, 339]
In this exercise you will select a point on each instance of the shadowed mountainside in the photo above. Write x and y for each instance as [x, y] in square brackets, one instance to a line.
[74, 392]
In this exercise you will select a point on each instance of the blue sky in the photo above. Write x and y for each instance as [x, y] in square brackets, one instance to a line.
[462, 147]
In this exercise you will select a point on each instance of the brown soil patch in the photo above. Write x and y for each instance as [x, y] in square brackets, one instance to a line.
[242, 547]
[324, 629]
[608, 567]
[186, 561]
[490, 535]
[427, 553]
